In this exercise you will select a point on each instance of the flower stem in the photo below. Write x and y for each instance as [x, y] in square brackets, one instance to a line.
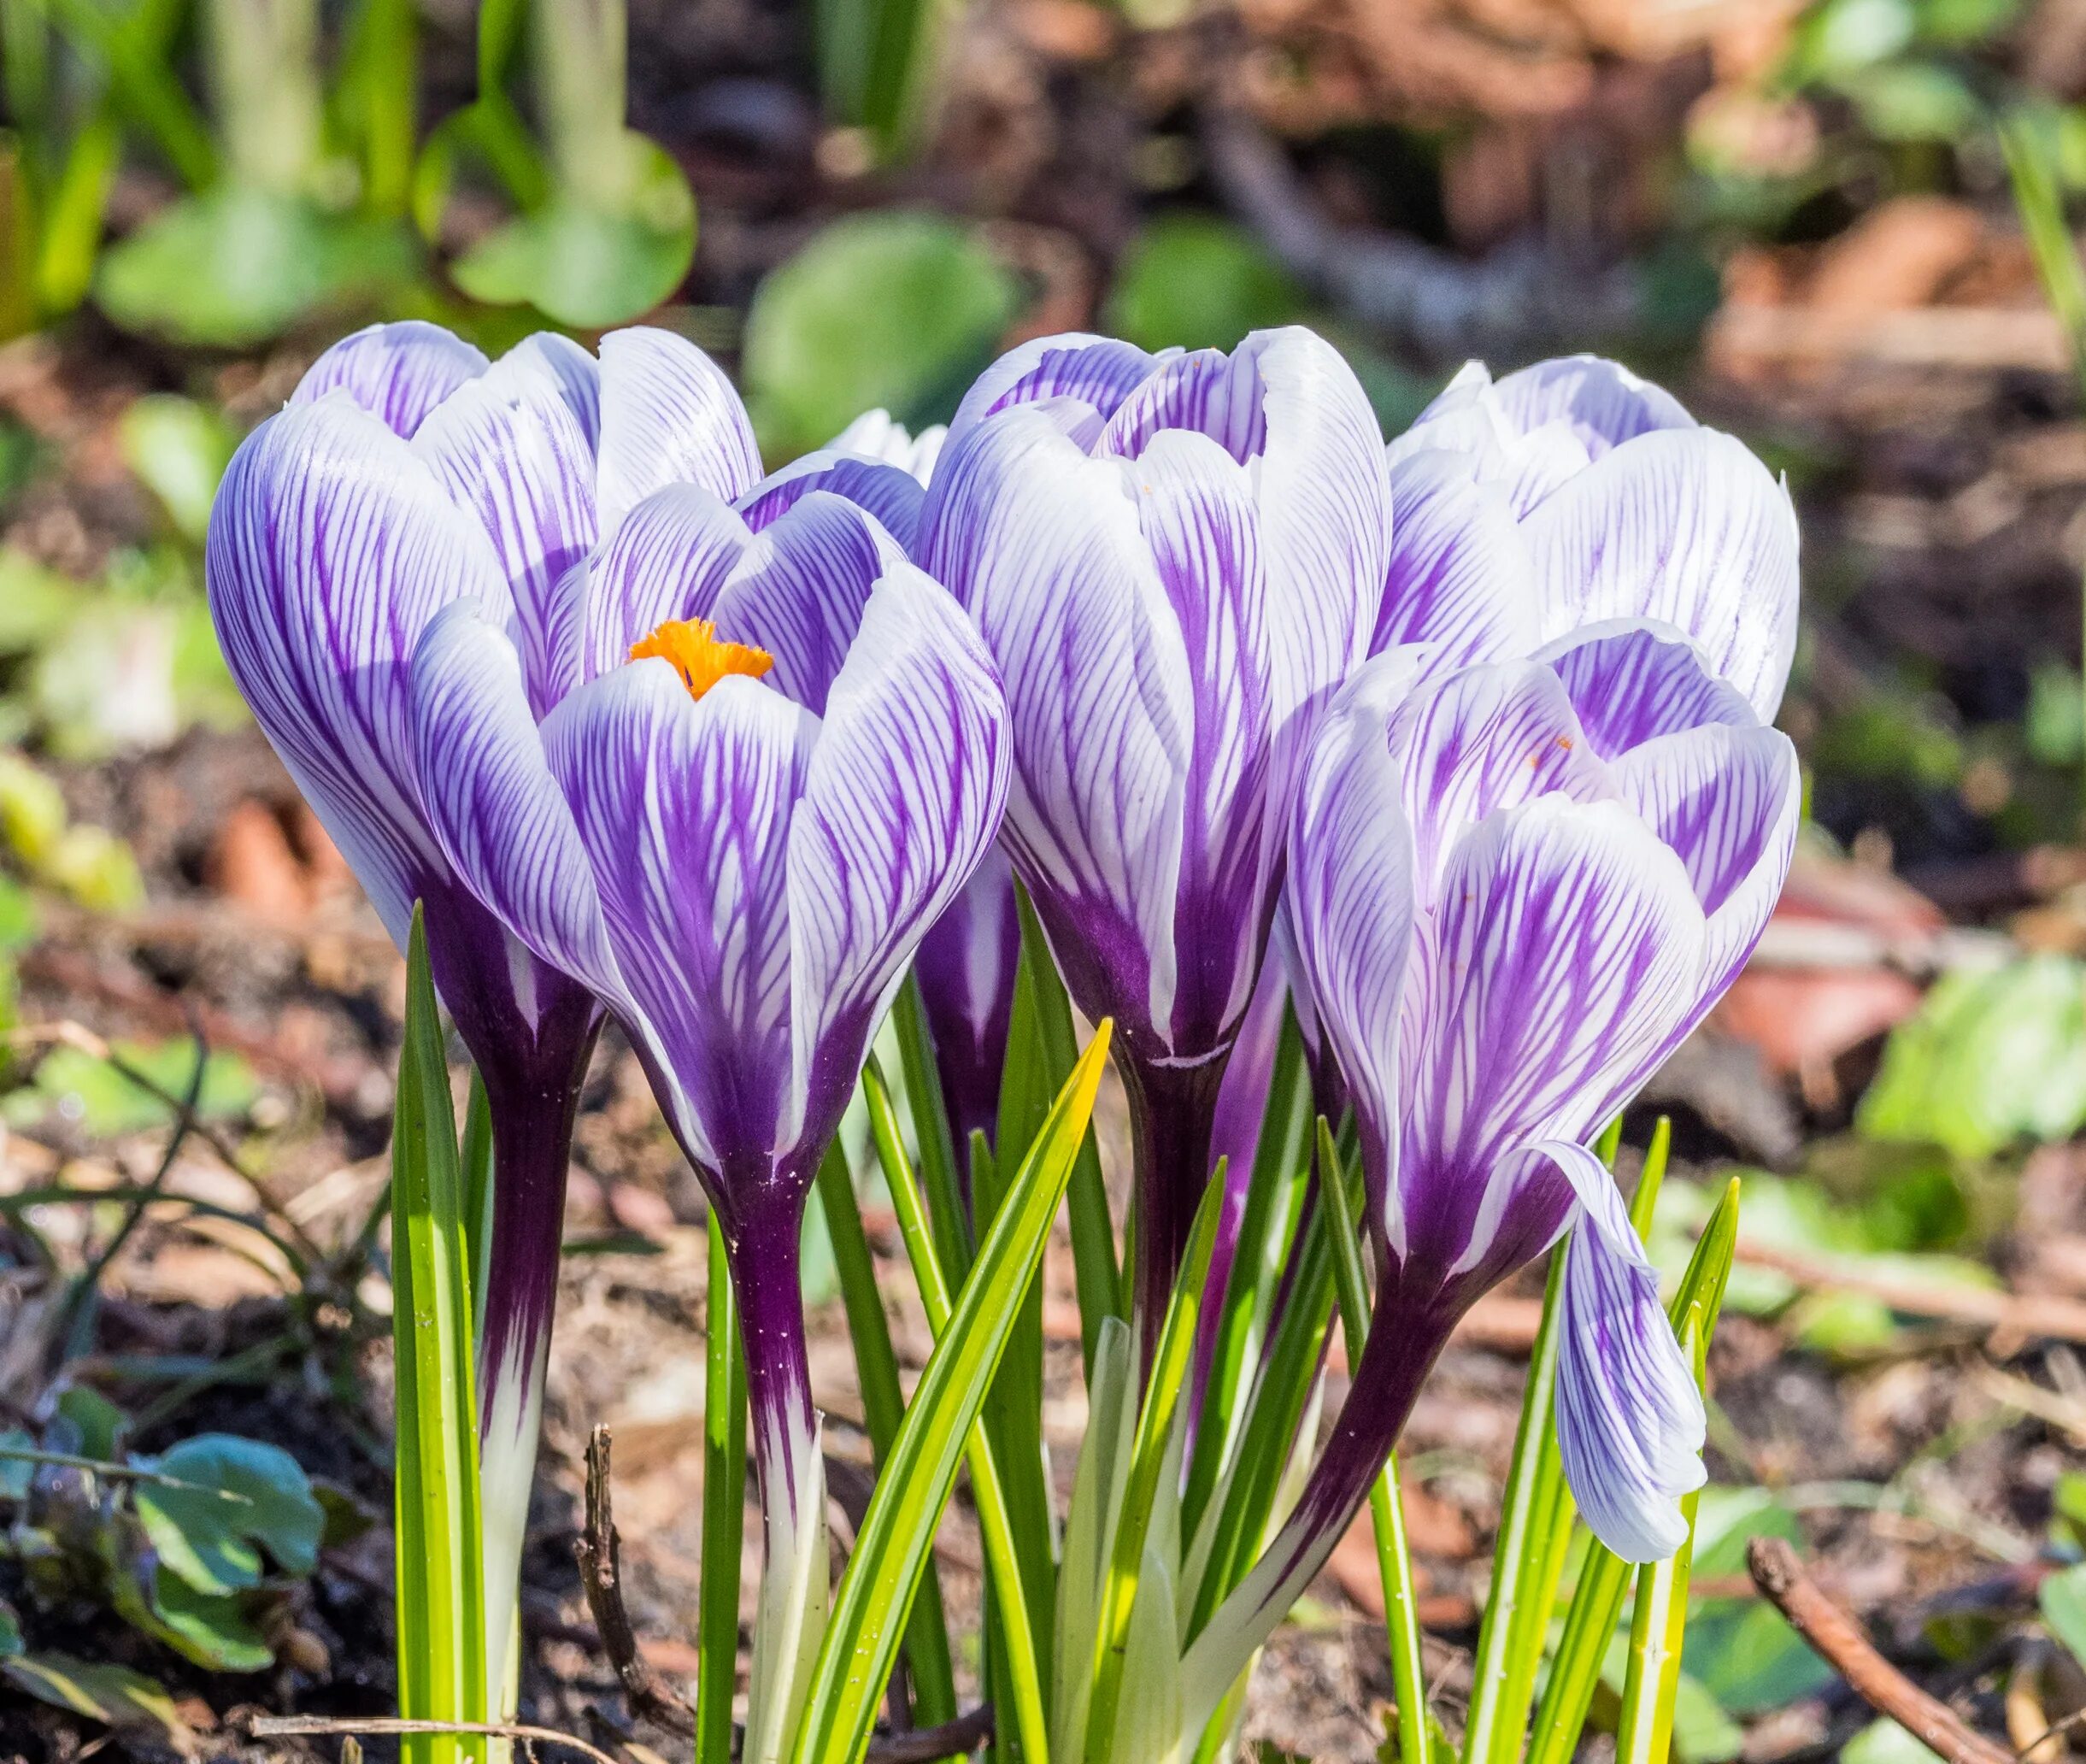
[1172, 1108]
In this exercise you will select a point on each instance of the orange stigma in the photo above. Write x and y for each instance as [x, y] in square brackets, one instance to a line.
[692, 645]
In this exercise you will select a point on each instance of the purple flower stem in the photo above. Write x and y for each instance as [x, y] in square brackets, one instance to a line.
[1171, 1115]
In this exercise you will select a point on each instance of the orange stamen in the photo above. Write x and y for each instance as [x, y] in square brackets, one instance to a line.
[692, 645]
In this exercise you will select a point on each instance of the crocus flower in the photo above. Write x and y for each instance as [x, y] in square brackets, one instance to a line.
[1573, 491]
[1515, 888]
[769, 760]
[1174, 562]
[408, 475]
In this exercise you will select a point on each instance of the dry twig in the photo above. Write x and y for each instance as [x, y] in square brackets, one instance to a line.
[599, 1551]
[311, 1727]
[1838, 1639]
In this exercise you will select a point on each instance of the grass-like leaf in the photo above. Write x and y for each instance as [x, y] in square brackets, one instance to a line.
[897, 1534]
[440, 1592]
[724, 1510]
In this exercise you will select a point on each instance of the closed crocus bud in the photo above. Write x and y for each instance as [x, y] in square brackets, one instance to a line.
[1174, 562]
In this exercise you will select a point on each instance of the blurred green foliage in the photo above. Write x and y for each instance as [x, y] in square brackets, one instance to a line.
[1195, 281]
[899, 308]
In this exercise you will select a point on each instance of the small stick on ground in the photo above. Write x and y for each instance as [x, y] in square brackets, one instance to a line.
[599, 1551]
[312, 1726]
[1839, 1640]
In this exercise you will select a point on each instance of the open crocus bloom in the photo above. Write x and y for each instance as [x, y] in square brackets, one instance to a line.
[1515, 889]
[1572, 493]
[1174, 562]
[409, 475]
[767, 762]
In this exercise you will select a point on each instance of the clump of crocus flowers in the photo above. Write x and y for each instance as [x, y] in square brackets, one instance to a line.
[1457, 755]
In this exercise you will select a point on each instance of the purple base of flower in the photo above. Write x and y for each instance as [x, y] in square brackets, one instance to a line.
[1172, 1111]
[763, 1244]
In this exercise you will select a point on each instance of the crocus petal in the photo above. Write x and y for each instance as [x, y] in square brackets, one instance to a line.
[330, 547]
[903, 795]
[1483, 740]
[1459, 575]
[502, 821]
[886, 491]
[1098, 372]
[1629, 1420]
[1683, 525]
[1728, 799]
[398, 373]
[1325, 522]
[1602, 402]
[1564, 950]
[1632, 680]
[684, 807]
[668, 558]
[1349, 896]
[509, 446]
[668, 415]
[1197, 507]
[799, 590]
[875, 436]
[1042, 545]
[966, 968]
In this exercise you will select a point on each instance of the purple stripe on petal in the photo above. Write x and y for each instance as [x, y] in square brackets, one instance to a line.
[887, 491]
[902, 797]
[1043, 545]
[684, 807]
[668, 558]
[1459, 575]
[1630, 1423]
[874, 436]
[1683, 525]
[509, 446]
[799, 590]
[1098, 372]
[330, 547]
[398, 373]
[1207, 392]
[668, 415]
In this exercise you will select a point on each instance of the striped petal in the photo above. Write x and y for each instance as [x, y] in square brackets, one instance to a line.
[1043, 546]
[799, 589]
[510, 447]
[331, 548]
[503, 823]
[684, 807]
[1686, 527]
[903, 795]
[966, 968]
[668, 415]
[886, 491]
[1630, 1423]
[1600, 401]
[1728, 799]
[1460, 574]
[1562, 955]
[1350, 897]
[1098, 371]
[668, 558]
[1631, 681]
[875, 436]
[398, 373]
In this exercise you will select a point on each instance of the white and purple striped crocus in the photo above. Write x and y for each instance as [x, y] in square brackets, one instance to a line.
[758, 757]
[1515, 887]
[1175, 561]
[409, 479]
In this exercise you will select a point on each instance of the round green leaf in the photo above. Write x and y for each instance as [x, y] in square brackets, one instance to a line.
[896, 309]
[238, 1497]
[1193, 281]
